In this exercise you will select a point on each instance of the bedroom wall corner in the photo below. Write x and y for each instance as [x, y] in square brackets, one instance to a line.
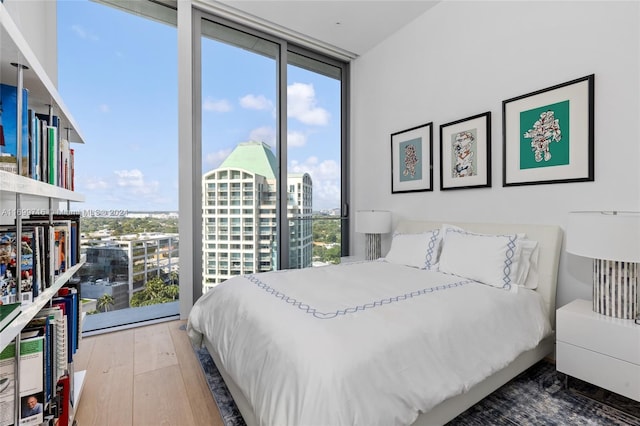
[464, 58]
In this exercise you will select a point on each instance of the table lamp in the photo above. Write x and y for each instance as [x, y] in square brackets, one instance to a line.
[372, 223]
[612, 240]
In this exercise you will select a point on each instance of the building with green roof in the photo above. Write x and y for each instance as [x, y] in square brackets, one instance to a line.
[239, 202]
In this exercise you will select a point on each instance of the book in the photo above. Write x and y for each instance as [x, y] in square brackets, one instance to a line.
[42, 326]
[58, 332]
[63, 392]
[8, 313]
[52, 133]
[7, 385]
[11, 153]
[9, 263]
[30, 385]
[72, 224]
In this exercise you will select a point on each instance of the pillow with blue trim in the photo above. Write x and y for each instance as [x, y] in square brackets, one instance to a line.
[416, 250]
[501, 261]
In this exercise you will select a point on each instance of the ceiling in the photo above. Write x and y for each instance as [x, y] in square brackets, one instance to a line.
[354, 26]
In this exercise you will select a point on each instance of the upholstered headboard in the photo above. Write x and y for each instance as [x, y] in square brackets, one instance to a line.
[549, 238]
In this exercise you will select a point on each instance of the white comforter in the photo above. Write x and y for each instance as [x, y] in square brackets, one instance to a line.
[368, 343]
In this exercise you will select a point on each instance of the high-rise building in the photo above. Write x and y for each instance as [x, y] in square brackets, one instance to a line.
[239, 215]
[132, 259]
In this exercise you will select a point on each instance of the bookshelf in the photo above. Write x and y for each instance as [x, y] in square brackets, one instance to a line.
[21, 68]
[29, 312]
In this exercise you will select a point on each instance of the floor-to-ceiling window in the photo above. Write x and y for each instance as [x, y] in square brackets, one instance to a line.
[314, 158]
[118, 74]
[272, 150]
[239, 165]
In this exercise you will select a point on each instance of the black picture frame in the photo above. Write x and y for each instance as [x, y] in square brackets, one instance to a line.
[548, 135]
[412, 159]
[465, 153]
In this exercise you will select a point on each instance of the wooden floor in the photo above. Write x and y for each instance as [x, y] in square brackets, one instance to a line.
[143, 376]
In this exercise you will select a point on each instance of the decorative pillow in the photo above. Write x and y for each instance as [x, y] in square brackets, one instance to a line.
[416, 250]
[490, 259]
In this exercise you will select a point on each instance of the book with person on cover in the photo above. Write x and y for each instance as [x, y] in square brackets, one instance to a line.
[30, 384]
[8, 312]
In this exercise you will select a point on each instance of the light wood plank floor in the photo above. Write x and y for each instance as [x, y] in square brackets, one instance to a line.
[143, 376]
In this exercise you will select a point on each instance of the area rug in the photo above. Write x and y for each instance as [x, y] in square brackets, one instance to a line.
[536, 397]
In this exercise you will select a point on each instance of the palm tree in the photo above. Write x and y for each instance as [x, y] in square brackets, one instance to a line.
[105, 301]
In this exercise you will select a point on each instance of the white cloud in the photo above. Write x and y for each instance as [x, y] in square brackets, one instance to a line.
[214, 159]
[268, 135]
[82, 33]
[326, 180]
[129, 178]
[216, 105]
[135, 188]
[263, 134]
[94, 183]
[104, 108]
[256, 102]
[296, 139]
[301, 105]
[126, 189]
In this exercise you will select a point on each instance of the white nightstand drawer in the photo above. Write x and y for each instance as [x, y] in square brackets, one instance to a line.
[610, 373]
[578, 325]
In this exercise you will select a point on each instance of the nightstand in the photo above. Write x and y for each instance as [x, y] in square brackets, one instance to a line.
[598, 349]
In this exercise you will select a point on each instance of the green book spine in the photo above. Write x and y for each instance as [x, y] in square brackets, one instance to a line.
[53, 150]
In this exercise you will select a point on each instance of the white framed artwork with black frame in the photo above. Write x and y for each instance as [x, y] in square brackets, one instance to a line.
[548, 135]
[412, 159]
[465, 153]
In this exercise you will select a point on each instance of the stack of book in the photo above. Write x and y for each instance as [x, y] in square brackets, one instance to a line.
[47, 345]
[43, 153]
[47, 249]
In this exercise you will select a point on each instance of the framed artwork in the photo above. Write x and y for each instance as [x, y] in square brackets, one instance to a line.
[548, 135]
[412, 159]
[465, 153]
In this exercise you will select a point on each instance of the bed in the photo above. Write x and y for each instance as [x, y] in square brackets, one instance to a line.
[389, 341]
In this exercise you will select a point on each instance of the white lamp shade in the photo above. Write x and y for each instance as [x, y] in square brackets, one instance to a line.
[604, 235]
[373, 221]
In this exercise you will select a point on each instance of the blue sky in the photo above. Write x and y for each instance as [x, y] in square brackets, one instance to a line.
[117, 74]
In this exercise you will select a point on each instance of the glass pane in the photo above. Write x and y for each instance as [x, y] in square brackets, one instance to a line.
[239, 164]
[314, 161]
[128, 168]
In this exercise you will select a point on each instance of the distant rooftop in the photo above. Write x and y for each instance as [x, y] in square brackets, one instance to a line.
[255, 157]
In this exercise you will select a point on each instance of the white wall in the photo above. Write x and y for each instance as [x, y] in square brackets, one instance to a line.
[464, 58]
[38, 23]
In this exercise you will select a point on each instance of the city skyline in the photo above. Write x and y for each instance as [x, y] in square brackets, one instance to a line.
[129, 120]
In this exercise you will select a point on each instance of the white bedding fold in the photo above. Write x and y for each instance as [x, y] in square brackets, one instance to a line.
[368, 343]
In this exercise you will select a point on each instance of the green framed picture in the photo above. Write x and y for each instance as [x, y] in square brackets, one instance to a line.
[548, 135]
[412, 159]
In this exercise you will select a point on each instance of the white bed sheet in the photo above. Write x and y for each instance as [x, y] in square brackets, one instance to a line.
[368, 343]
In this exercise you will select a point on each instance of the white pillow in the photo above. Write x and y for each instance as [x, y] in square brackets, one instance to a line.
[490, 259]
[527, 274]
[416, 250]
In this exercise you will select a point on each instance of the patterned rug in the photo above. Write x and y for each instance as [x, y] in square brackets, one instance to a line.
[536, 397]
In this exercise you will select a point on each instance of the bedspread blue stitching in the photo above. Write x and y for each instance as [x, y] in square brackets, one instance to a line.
[330, 315]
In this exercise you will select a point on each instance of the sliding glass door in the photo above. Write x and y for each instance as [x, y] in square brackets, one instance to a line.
[272, 152]
[239, 153]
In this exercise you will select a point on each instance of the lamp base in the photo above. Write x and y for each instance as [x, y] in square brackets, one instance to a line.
[373, 247]
[615, 286]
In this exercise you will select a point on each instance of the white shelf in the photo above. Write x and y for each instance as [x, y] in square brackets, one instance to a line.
[9, 333]
[42, 92]
[78, 383]
[10, 182]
